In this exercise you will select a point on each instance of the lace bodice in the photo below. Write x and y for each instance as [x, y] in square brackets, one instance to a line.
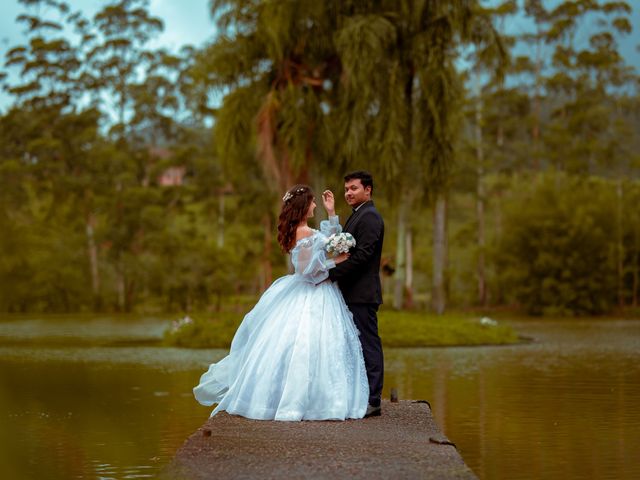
[309, 257]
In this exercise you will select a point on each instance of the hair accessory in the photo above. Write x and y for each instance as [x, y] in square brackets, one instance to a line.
[289, 195]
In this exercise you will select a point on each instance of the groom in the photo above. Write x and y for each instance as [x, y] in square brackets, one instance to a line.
[359, 277]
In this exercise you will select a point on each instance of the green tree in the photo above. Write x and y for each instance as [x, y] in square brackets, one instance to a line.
[557, 259]
[309, 73]
[488, 57]
[536, 11]
[49, 63]
[273, 61]
[48, 92]
[117, 52]
[582, 77]
[117, 58]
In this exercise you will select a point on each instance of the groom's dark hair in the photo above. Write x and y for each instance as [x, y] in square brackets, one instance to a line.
[365, 178]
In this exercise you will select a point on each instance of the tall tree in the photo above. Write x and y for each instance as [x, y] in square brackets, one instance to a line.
[582, 75]
[50, 88]
[310, 74]
[488, 58]
[536, 10]
[117, 56]
[276, 65]
[117, 53]
[49, 62]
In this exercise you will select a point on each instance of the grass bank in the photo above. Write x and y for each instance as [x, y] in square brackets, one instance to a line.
[423, 329]
[397, 329]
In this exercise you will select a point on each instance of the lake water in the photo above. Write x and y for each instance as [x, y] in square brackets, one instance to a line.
[95, 398]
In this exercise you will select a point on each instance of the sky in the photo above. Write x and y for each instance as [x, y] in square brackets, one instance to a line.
[189, 22]
[185, 22]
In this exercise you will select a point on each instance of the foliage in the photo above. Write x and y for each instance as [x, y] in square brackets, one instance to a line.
[421, 329]
[543, 145]
[397, 329]
[557, 251]
[200, 333]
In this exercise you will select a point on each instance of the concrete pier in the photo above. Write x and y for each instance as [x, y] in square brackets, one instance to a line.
[403, 443]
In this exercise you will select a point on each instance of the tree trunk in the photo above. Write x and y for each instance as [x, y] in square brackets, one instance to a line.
[636, 266]
[535, 129]
[439, 253]
[409, 276]
[499, 296]
[406, 200]
[92, 251]
[131, 292]
[480, 198]
[400, 273]
[620, 244]
[120, 287]
[500, 134]
[221, 219]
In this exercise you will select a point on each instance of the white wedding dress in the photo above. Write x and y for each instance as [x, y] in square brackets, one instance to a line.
[296, 355]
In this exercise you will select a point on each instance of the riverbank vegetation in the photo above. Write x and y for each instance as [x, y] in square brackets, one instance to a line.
[397, 329]
[506, 163]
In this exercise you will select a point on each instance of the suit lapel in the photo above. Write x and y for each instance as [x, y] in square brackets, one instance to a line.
[348, 222]
[353, 216]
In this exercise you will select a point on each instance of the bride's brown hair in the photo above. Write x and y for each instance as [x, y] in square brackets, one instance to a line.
[295, 205]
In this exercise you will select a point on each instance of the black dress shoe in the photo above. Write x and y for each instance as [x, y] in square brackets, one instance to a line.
[373, 411]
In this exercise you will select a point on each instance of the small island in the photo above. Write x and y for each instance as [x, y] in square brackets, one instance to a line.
[398, 329]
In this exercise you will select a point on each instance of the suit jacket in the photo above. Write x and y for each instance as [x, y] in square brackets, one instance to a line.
[359, 276]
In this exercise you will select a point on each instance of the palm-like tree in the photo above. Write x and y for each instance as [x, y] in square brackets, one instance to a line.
[276, 66]
[325, 85]
[401, 102]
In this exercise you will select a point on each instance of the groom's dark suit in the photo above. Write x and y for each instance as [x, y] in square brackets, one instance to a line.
[359, 281]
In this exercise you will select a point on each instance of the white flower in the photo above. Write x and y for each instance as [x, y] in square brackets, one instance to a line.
[178, 324]
[488, 322]
[340, 243]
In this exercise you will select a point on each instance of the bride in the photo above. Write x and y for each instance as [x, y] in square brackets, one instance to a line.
[296, 355]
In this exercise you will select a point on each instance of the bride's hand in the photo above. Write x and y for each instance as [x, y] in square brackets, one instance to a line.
[341, 258]
[329, 202]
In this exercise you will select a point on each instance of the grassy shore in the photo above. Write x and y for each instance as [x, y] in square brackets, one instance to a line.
[420, 329]
[397, 329]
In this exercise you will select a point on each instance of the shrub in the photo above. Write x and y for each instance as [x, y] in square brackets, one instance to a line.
[557, 250]
[203, 333]
[397, 328]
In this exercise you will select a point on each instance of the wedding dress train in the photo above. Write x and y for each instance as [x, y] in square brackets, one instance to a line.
[296, 355]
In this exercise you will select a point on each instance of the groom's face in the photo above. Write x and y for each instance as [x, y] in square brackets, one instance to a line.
[355, 193]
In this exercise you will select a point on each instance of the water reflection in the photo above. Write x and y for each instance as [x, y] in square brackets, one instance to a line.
[562, 407]
[69, 420]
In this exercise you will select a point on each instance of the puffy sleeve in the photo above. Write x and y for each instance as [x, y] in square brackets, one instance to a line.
[331, 226]
[310, 260]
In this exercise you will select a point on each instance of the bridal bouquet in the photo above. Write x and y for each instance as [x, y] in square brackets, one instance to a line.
[340, 243]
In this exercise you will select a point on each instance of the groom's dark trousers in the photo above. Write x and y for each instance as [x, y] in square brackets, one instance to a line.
[366, 320]
[359, 281]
